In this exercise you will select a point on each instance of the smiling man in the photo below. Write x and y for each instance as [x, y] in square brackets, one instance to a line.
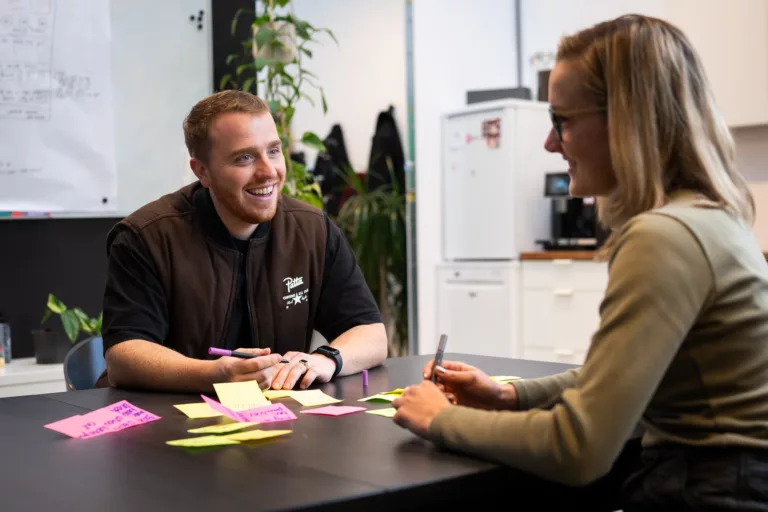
[229, 262]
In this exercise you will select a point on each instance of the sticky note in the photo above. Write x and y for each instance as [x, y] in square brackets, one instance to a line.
[313, 397]
[504, 378]
[267, 414]
[226, 428]
[255, 435]
[398, 391]
[112, 418]
[273, 394]
[379, 398]
[198, 410]
[240, 396]
[334, 410]
[387, 413]
[199, 442]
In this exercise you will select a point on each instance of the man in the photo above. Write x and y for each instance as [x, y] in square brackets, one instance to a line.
[228, 262]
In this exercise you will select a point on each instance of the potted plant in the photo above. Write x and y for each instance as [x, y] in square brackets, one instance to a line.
[273, 58]
[50, 346]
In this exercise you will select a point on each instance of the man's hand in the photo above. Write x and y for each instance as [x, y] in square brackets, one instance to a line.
[418, 406]
[262, 369]
[292, 370]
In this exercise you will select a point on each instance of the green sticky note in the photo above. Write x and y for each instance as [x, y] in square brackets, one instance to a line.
[387, 413]
[199, 442]
[381, 397]
[220, 429]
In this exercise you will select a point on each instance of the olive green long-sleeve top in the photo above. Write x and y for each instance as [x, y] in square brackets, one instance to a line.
[682, 346]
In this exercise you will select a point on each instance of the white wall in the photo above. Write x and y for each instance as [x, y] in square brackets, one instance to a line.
[458, 46]
[752, 162]
[361, 76]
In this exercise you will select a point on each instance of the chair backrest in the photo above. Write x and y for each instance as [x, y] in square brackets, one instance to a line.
[84, 364]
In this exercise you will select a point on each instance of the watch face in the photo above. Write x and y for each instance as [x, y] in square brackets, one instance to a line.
[329, 350]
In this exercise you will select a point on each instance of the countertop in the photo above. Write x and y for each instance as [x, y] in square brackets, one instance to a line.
[567, 255]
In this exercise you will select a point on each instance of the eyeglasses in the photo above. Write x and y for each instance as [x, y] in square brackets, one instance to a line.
[560, 116]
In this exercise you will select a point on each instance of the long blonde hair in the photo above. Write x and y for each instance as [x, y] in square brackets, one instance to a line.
[664, 128]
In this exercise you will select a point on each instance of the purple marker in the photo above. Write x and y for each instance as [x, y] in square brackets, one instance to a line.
[231, 353]
[365, 378]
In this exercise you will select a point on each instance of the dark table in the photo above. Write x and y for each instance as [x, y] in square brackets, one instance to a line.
[359, 461]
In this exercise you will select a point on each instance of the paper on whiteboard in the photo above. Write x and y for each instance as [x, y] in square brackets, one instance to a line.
[56, 114]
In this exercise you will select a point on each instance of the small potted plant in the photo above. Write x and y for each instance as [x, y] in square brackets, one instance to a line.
[50, 347]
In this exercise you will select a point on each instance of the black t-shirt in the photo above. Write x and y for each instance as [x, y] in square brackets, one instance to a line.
[135, 304]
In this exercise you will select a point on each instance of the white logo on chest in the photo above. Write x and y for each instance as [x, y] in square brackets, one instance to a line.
[293, 282]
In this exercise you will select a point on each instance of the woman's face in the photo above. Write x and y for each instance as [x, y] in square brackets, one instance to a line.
[584, 143]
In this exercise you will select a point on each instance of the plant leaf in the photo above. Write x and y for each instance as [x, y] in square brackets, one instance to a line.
[224, 81]
[260, 63]
[46, 316]
[263, 36]
[313, 141]
[231, 57]
[325, 103]
[247, 85]
[306, 52]
[243, 67]
[237, 17]
[274, 106]
[330, 34]
[71, 324]
[55, 304]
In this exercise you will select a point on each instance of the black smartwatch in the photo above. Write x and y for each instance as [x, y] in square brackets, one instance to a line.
[329, 351]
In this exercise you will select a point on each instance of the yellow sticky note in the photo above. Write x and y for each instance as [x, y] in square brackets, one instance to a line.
[398, 391]
[387, 413]
[504, 378]
[199, 442]
[255, 435]
[199, 410]
[381, 397]
[313, 397]
[273, 394]
[226, 428]
[240, 396]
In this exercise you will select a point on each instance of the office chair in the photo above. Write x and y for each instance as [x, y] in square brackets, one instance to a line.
[84, 364]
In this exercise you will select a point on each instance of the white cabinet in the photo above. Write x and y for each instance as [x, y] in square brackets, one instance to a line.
[560, 302]
[477, 308]
[731, 39]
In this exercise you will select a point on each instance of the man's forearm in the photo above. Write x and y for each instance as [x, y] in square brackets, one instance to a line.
[143, 364]
[361, 347]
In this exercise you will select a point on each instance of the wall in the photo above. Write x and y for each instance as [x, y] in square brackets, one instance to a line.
[457, 46]
[362, 76]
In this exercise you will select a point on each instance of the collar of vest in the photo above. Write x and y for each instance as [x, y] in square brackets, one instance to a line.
[212, 223]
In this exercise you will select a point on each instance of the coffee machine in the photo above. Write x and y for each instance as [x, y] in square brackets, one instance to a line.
[574, 224]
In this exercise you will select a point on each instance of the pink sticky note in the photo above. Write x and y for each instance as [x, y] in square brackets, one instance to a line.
[223, 409]
[268, 414]
[334, 410]
[111, 418]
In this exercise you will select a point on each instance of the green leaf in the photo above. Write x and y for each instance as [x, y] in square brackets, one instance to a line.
[330, 34]
[289, 111]
[263, 36]
[274, 106]
[243, 67]
[312, 140]
[97, 326]
[302, 29]
[237, 17]
[261, 63]
[282, 3]
[224, 81]
[247, 85]
[306, 52]
[71, 324]
[308, 73]
[261, 20]
[55, 304]
[46, 316]
[83, 319]
[325, 103]
[231, 57]
[309, 99]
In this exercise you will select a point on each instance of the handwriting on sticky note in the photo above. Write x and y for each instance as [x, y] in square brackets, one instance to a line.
[313, 397]
[267, 414]
[197, 410]
[504, 378]
[379, 398]
[256, 435]
[226, 428]
[387, 413]
[202, 441]
[334, 410]
[112, 418]
[273, 394]
[240, 396]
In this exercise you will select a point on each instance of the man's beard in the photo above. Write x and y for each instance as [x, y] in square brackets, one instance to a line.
[233, 203]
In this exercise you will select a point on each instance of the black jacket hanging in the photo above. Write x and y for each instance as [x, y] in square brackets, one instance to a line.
[386, 146]
[329, 165]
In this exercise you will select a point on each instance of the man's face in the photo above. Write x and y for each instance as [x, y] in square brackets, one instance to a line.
[245, 171]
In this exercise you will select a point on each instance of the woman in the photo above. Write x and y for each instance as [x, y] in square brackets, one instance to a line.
[683, 338]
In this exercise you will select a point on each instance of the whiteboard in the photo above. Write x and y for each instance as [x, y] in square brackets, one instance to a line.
[161, 65]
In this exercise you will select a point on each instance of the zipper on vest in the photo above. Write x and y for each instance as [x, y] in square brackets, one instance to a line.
[251, 320]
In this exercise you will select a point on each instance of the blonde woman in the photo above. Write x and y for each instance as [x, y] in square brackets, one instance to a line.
[683, 338]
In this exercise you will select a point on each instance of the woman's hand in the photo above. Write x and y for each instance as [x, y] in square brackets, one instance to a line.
[418, 406]
[466, 385]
